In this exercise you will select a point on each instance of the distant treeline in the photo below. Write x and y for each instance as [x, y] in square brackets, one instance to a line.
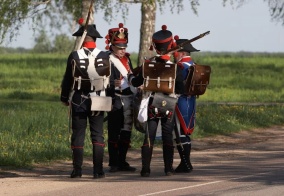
[7, 50]
[239, 54]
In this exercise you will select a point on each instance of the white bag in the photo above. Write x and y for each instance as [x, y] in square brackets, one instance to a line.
[101, 103]
[143, 110]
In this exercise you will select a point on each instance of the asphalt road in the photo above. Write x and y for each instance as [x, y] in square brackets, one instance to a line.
[247, 163]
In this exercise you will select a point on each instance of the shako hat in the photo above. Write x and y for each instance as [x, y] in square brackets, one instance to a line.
[186, 48]
[162, 40]
[91, 30]
[117, 37]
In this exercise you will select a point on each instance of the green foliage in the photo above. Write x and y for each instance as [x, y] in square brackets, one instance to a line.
[34, 124]
[134, 58]
[13, 50]
[32, 132]
[37, 76]
[53, 14]
[234, 77]
[43, 44]
[63, 44]
[71, 6]
[12, 13]
[214, 119]
[38, 131]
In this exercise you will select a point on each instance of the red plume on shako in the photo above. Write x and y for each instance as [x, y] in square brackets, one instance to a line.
[117, 37]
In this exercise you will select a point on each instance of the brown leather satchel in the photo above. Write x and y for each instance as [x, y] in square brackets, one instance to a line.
[197, 79]
[159, 77]
[164, 103]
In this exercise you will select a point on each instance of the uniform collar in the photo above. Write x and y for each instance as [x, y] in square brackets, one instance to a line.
[89, 44]
[185, 59]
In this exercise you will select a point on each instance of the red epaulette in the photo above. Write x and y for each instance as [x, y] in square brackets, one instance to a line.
[180, 65]
[165, 57]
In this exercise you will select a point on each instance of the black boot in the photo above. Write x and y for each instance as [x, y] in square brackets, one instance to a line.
[168, 155]
[185, 164]
[146, 153]
[98, 154]
[77, 156]
[123, 146]
[113, 156]
[122, 164]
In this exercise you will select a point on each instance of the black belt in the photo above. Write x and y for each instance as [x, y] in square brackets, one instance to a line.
[83, 92]
[126, 91]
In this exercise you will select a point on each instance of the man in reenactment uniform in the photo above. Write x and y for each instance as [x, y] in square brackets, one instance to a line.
[82, 83]
[120, 118]
[185, 110]
[161, 41]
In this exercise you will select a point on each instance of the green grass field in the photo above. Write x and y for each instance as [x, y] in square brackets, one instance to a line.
[245, 92]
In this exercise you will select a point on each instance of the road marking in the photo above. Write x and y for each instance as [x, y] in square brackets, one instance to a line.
[208, 183]
[170, 190]
[239, 151]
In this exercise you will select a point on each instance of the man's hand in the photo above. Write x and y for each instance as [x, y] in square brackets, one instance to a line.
[65, 103]
[117, 83]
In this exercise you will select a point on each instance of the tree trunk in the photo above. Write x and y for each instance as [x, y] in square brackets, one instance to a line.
[147, 28]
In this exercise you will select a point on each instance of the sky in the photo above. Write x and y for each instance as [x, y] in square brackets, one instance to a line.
[248, 28]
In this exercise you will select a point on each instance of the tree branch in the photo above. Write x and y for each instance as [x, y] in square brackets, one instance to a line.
[40, 3]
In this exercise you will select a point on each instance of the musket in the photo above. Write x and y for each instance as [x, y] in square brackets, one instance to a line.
[85, 27]
[177, 132]
[180, 46]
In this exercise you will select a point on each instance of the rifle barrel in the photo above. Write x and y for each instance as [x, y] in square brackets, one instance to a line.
[85, 27]
[89, 13]
[186, 42]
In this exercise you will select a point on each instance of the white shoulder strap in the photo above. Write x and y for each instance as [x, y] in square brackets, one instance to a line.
[118, 64]
[81, 53]
[96, 51]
